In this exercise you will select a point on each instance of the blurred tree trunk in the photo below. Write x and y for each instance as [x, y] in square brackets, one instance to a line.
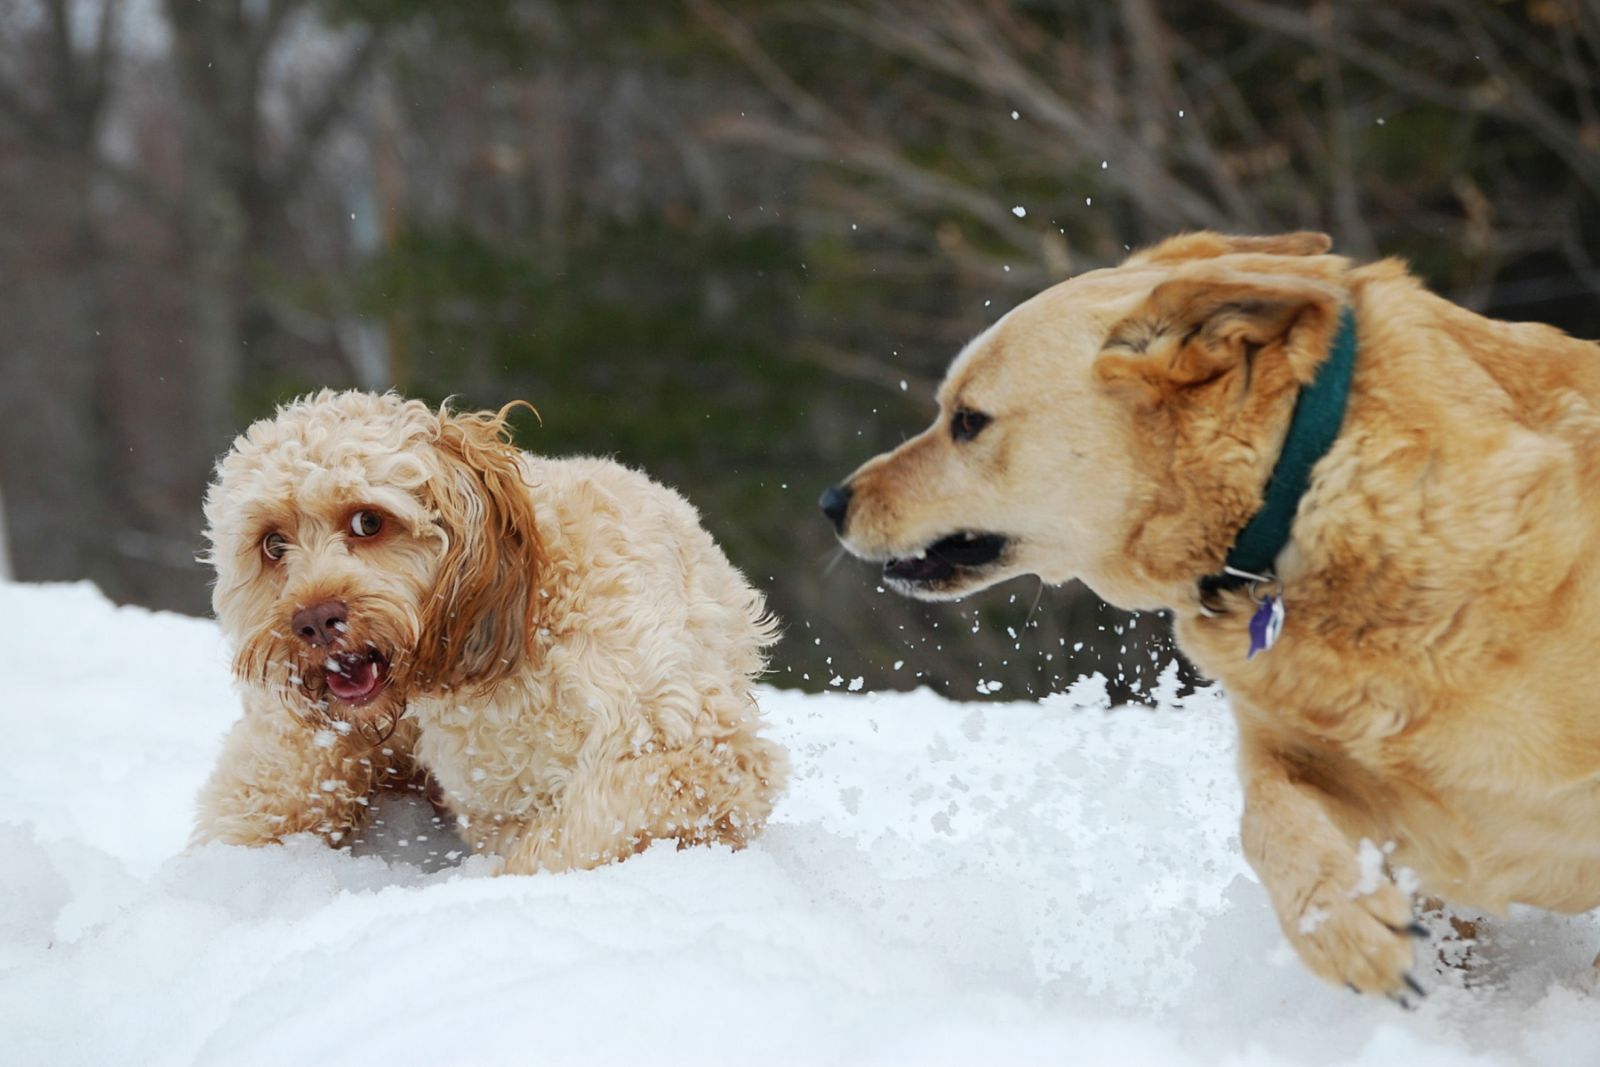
[5, 549]
[237, 186]
[63, 527]
[228, 206]
[218, 53]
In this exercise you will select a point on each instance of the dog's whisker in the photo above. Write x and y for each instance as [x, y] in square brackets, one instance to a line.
[1037, 597]
[838, 554]
[370, 731]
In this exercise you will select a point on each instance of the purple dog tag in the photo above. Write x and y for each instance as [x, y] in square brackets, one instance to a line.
[1265, 625]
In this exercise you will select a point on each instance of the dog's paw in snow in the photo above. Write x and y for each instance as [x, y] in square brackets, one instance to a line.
[1357, 936]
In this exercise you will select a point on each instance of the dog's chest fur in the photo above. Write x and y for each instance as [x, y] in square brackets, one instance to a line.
[481, 753]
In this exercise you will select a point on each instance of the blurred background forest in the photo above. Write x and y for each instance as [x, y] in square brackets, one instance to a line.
[733, 243]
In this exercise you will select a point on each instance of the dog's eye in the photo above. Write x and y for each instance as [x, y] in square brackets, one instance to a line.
[366, 523]
[966, 424]
[274, 545]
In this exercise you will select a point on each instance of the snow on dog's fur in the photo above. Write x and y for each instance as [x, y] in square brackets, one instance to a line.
[1433, 687]
[556, 643]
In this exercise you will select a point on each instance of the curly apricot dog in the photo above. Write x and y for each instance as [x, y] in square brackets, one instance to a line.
[556, 642]
[1375, 516]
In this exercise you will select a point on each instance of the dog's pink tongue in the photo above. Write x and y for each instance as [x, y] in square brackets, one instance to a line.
[357, 681]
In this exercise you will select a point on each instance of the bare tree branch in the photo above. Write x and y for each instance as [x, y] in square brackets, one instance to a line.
[1557, 133]
[737, 36]
[66, 125]
[263, 36]
[1341, 150]
[1148, 39]
[857, 367]
[1513, 100]
[982, 61]
[332, 106]
[105, 52]
[834, 141]
[926, 186]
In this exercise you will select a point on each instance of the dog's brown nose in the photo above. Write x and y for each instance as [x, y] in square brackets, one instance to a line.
[835, 503]
[321, 623]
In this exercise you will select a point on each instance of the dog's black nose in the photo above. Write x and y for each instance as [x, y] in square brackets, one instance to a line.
[321, 623]
[834, 503]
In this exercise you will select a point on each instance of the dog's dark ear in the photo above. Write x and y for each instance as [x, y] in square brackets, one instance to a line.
[1208, 245]
[1205, 324]
[476, 625]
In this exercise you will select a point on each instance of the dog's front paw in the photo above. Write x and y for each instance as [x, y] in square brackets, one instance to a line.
[1360, 936]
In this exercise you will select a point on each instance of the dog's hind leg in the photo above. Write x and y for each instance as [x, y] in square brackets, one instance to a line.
[280, 775]
[721, 792]
[706, 793]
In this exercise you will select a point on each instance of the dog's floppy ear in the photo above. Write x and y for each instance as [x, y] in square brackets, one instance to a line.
[1205, 244]
[476, 626]
[1210, 321]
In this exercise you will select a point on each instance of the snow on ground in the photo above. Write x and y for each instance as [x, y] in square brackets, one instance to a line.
[1049, 882]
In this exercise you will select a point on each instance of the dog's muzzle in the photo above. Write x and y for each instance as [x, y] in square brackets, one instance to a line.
[354, 677]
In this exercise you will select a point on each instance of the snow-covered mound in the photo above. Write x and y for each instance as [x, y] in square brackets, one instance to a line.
[1045, 883]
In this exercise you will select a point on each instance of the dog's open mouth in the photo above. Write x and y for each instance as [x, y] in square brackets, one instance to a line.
[356, 677]
[945, 558]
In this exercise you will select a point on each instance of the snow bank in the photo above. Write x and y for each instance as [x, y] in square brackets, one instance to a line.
[1050, 882]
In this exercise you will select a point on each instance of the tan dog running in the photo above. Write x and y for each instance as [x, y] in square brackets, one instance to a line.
[1433, 685]
[556, 642]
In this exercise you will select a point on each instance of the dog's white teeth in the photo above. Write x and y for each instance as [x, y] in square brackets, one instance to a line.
[333, 665]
